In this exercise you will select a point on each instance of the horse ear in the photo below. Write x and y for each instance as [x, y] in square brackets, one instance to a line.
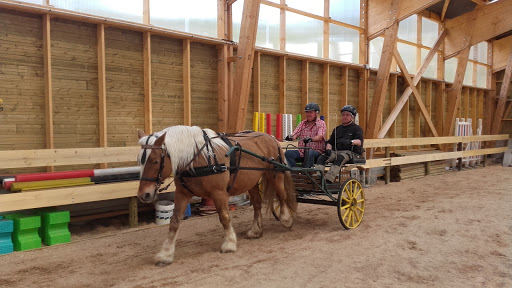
[140, 133]
[160, 140]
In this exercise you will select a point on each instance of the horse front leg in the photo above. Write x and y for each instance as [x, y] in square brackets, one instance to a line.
[220, 199]
[256, 230]
[166, 254]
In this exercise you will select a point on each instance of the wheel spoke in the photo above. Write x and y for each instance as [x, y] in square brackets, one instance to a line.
[358, 192]
[345, 215]
[358, 217]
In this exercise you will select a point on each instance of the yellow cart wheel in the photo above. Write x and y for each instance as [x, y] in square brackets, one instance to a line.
[351, 203]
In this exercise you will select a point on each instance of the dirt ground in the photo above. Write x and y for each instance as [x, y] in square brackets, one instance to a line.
[451, 230]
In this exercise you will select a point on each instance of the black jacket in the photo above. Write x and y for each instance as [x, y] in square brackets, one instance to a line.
[342, 136]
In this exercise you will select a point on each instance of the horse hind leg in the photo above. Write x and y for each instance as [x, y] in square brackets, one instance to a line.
[256, 230]
[221, 204]
[166, 254]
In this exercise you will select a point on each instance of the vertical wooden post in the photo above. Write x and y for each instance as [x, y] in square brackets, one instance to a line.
[427, 168]
[146, 17]
[102, 88]
[48, 96]
[305, 86]
[387, 169]
[148, 99]
[392, 102]
[257, 81]
[363, 43]
[187, 89]
[363, 98]
[325, 95]
[282, 84]
[222, 86]
[133, 212]
[344, 86]
[502, 99]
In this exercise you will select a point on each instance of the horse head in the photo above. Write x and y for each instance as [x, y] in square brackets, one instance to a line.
[155, 166]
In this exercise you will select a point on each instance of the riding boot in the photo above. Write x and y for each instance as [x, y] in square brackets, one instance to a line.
[332, 174]
[320, 167]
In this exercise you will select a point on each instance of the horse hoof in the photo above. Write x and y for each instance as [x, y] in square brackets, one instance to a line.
[254, 235]
[228, 248]
[162, 264]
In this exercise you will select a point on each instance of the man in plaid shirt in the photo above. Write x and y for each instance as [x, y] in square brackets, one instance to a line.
[310, 131]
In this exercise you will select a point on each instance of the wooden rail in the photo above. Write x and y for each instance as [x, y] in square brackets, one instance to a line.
[91, 193]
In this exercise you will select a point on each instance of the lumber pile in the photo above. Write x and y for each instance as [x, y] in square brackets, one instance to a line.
[416, 170]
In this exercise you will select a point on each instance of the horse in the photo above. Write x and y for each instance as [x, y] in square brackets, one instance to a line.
[196, 158]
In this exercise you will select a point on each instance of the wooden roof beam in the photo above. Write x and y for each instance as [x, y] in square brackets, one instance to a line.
[386, 58]
[378, 13]
[491, 20]
[501, 50]
[242, 79]
[502, 99]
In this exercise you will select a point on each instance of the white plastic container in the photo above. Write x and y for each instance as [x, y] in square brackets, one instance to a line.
[163, 212]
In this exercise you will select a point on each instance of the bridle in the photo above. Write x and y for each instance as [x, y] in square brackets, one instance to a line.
[158, 179]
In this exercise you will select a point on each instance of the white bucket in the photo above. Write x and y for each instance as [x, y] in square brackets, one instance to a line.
[163, 212]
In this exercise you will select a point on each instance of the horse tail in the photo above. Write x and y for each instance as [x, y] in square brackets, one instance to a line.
[269, 194]
[291, 193]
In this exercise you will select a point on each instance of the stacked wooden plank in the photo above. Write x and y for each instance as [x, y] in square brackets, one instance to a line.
[416, 170]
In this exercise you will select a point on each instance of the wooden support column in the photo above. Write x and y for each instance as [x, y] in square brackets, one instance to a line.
[48, 88]
[148, 99]
[405, 96]
[387, 169]
[428, 106]
[405, 121]
[221, 19]
[305, 86]
[187, 88]
[416, 130]
[393, 89]
[344, 86]
[257, 82]
[502, 99]
[325, 45]
[363, 23]
[223, 86]
[474, 110]
[453, 95]
[282, 84]
[102, 89]
[249, 26]
[145, 11]
[390, 37]
[325, 94]
[363, 97]
[133, 212]
[440, 99]
[466, 93]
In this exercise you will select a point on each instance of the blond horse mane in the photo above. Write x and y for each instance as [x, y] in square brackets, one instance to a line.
[182, 143]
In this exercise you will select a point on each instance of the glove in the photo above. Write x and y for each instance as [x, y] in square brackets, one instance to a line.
[328, 153]
[288, 138]
[307, 140]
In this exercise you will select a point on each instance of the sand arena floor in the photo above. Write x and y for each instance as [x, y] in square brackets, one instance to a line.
[451, 230]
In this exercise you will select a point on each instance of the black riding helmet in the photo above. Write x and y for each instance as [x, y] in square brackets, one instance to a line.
[349, 108]
[312, 107]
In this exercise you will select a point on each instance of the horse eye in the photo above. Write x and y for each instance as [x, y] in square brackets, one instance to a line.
[156, 162]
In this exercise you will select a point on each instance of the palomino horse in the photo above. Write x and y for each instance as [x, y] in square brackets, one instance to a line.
[196, 158]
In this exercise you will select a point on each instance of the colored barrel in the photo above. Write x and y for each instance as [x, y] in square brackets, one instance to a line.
[269, 124]
[255, 120]
[279, 121]
[262, 122]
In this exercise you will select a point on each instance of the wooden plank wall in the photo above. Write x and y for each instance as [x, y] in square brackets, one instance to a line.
[125, 82]
[294, 103]
[167, 82]
[75, 86]
[22, 123]
[203, 73]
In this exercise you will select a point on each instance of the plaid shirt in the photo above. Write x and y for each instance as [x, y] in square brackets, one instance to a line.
[304, 130]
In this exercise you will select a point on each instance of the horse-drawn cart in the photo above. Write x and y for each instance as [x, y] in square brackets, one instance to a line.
[347, 194]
